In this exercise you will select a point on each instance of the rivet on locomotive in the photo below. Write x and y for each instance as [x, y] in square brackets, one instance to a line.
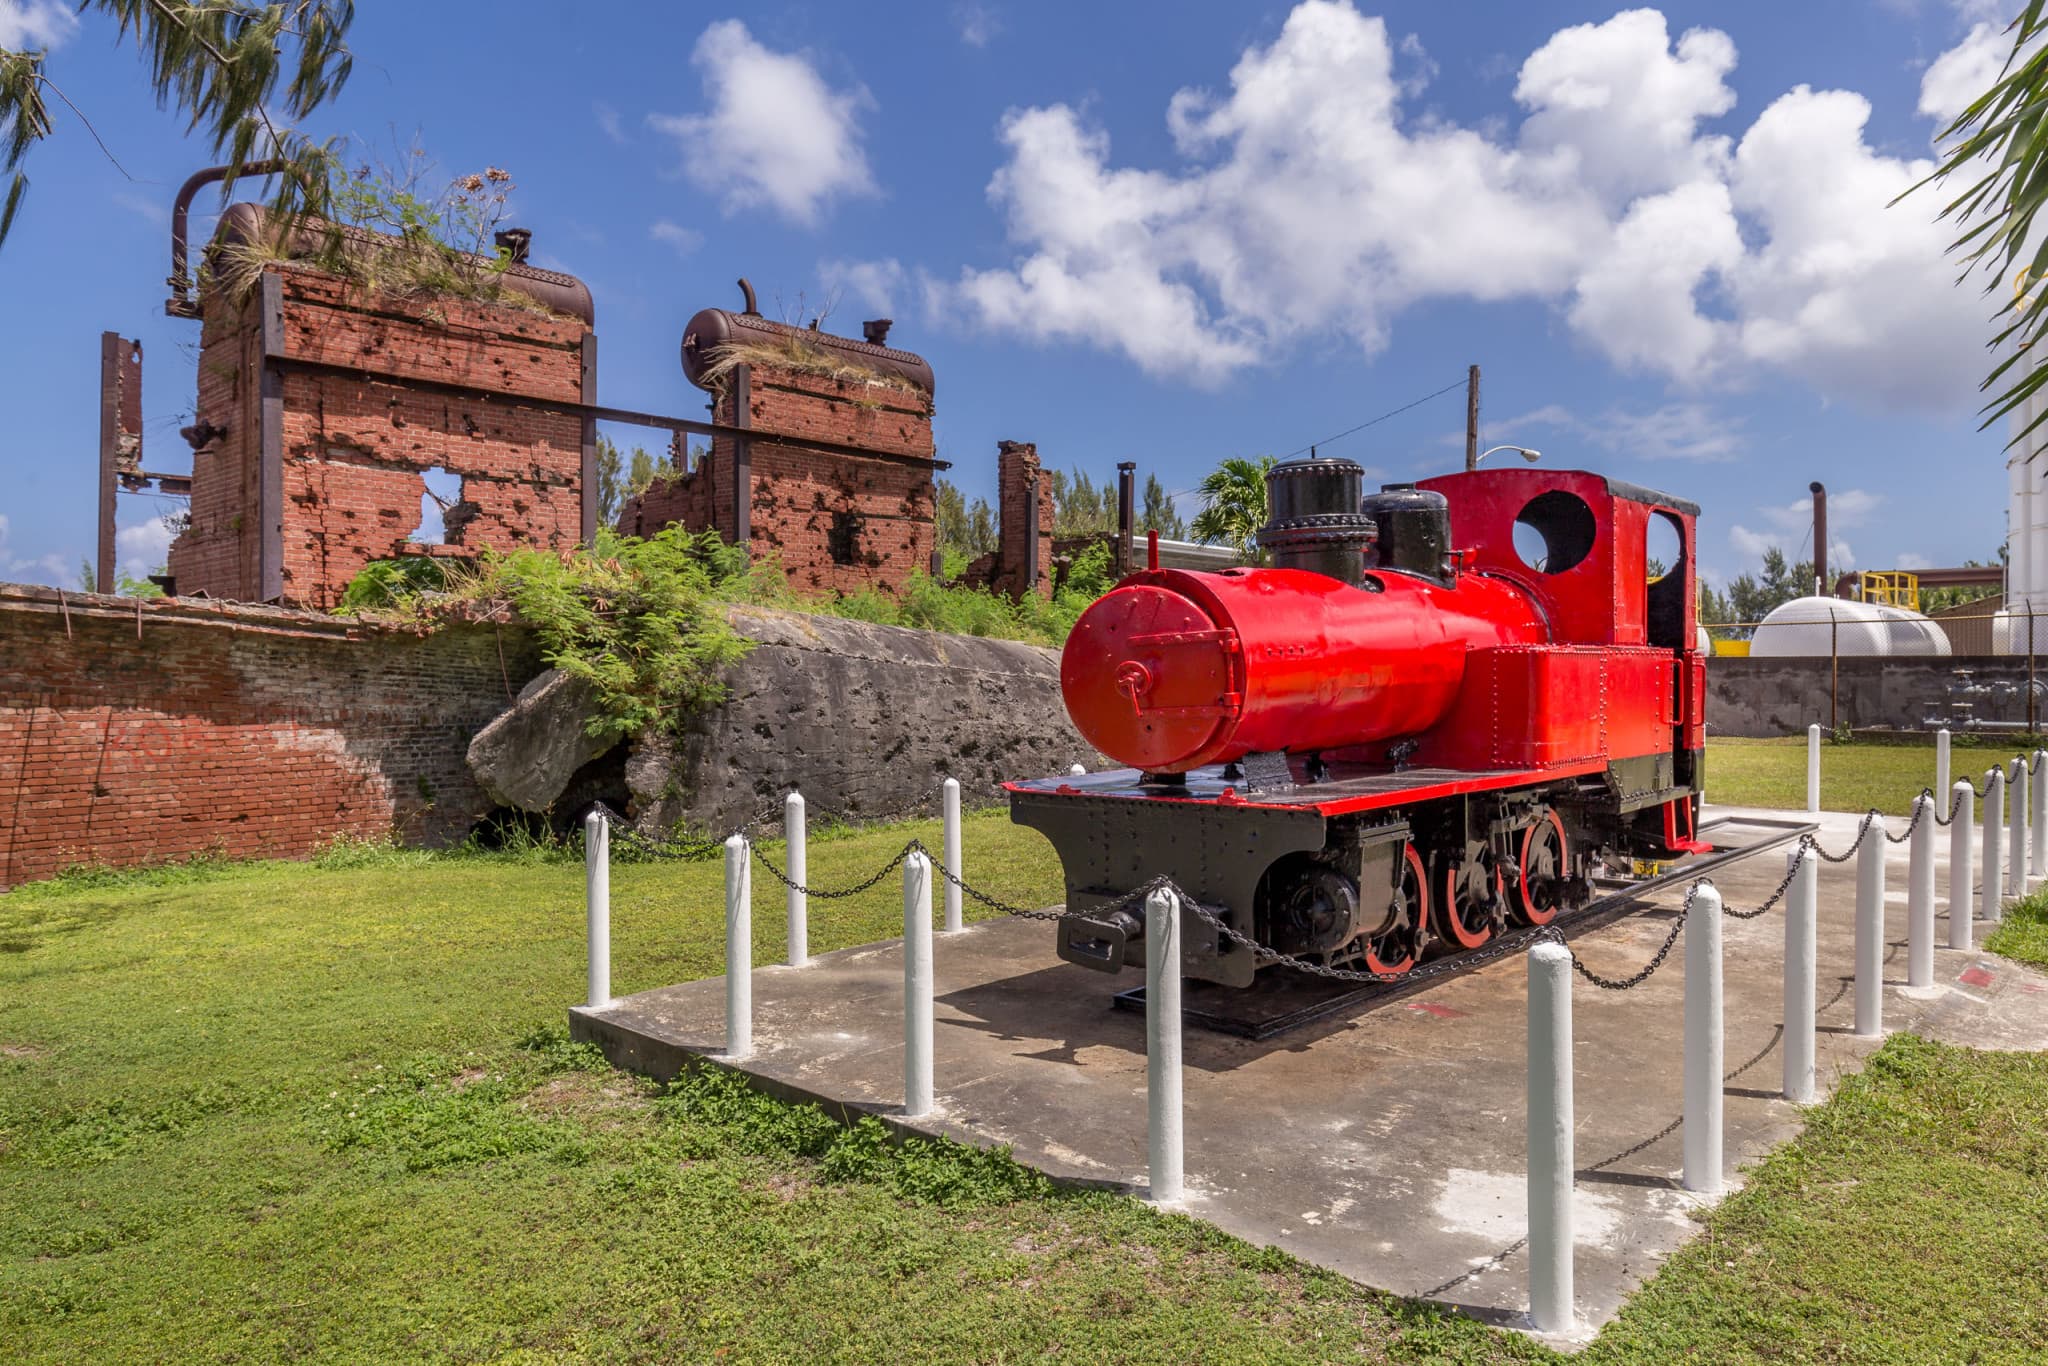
[1432, 717]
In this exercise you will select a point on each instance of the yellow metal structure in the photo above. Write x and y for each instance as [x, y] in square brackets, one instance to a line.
[1892, 587]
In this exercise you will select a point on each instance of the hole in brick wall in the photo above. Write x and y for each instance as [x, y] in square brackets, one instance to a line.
[843, 541]
[444, 491]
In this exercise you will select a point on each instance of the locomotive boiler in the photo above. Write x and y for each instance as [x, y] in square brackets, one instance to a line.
[1429, 718]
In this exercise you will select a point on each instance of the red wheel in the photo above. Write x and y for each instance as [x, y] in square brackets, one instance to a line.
[1400, 948]
[1540, 871]
[1462, 918]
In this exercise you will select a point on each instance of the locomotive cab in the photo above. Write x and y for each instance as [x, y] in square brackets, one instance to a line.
[1425, 720]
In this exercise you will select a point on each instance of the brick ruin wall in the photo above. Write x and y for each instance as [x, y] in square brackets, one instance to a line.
[1003, 569]
[838, 523]
[256, 731]
[135, 734]
[356, 446]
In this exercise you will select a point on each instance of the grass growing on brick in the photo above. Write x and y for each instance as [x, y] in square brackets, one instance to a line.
[285, 1111]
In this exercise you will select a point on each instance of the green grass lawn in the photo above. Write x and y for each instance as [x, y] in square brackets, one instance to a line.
[288, 1111]
[1853, 777]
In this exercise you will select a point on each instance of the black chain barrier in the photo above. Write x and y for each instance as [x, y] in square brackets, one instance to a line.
[1266, 955]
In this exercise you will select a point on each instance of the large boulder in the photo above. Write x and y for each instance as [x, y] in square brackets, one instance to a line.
[526, 757]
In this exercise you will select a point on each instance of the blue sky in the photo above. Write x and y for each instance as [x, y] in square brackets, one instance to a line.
[1162, 233]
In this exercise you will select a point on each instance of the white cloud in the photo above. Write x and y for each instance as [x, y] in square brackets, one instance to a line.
[1620, 107]
[978, 22]
[875, 285]
[608, 122]
[1311, 205]
[59, 571]
[142, 548]
[684, 240]
[1913, 560]
[1673, 431]
[775, 135]
[31, 25]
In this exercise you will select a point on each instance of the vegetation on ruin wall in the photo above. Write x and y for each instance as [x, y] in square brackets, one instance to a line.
[272, 1111]
[643, 621]
[384, 231]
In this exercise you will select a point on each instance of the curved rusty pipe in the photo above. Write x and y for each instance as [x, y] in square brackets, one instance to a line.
[180, 303]
[752, 310]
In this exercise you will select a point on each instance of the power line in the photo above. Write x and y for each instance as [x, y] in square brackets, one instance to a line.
[1395, 412]
[1381, 418]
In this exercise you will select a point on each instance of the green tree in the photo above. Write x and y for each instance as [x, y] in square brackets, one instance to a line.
[1751, 599]
[1998, 152]
[610, 481]
[1079, 507]
[1158, 512]
[1234, 504]
[243, 74]
[640, 470]
[966, 531]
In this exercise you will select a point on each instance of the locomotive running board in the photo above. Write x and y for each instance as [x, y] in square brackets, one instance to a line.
[1284, 1000]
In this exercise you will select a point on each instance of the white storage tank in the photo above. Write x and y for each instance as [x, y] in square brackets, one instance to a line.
[1821, 626]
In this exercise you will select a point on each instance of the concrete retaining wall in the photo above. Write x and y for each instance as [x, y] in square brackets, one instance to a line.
[1766, 697]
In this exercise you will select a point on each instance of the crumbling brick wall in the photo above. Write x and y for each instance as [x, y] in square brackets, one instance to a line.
[838, 522]
[355, 444]
[131, 733]
[1003, 569]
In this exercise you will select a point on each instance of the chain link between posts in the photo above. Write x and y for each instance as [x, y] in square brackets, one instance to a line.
[1263, 954]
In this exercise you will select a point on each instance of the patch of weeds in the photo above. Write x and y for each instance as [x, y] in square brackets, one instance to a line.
[346, 851]
[552, 1048]
[100, 1131]
[98, 877]
[2023, 934]
[725, 1115]
[427, 1115]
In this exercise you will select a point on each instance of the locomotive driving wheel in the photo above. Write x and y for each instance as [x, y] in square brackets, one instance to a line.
[1399, 948]
[1541, 870]
[1468, 913]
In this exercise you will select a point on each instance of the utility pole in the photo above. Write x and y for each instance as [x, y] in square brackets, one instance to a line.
[1472, 418]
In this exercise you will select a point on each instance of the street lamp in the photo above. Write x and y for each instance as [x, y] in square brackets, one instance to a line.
[1531, 456]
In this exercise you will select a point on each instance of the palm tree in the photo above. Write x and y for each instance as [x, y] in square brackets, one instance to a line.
[2000, 150]
[1234, 504]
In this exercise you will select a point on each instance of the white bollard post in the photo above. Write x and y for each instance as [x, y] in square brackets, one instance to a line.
[1941, 756]
[1992, 874]
[2037, 805]
[1162, 1045]
[1801, 963]
[1920, 895]
[1813, 767]
[739, 947]
[1703, 1042]
[597, 900]
[917, 985]
[954, 920]
[1870, 930]
[1551, 1162]
[799, 856]
[2016, 836]
[1962, 878]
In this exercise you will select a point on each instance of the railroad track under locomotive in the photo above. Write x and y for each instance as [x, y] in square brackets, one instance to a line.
[1285, 999]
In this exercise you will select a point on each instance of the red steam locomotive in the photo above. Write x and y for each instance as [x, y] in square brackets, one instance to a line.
[1430, 718]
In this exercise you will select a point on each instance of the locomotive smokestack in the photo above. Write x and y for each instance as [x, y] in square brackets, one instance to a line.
[1820, 537]
[1316, 523]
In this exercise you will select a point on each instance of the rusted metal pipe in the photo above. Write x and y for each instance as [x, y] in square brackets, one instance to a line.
[1820, 536]
[180, 304]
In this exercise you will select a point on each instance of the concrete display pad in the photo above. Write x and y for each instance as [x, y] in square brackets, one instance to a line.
[1386, 1143]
